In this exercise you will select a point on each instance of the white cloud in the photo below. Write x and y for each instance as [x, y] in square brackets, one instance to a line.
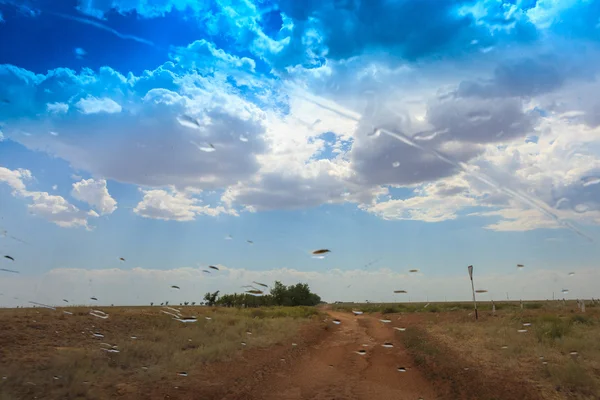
[52, 208]
[434, 202]
[145, 8]
[175, 205]
[148, 145]
[15, 178]
[57, 108]
[304, 142]
[57, 210]
[95, 193]
[93, 105]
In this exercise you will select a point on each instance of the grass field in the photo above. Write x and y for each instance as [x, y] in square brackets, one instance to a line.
[50, 354]
[557, 357]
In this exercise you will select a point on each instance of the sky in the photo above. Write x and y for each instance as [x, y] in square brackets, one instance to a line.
[400, 135]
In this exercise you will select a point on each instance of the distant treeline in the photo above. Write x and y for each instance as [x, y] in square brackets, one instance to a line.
[279, 295]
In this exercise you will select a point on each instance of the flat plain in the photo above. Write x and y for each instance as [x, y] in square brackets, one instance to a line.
[546, 350]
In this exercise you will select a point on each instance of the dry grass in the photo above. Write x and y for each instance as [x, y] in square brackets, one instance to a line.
[37, 345]
[554, 333]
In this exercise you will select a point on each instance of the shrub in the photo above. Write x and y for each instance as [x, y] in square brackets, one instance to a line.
[551, 327]
[582, 319]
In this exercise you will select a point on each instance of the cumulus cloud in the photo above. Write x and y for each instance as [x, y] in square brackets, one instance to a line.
[57, 108]
[15, 178]
[151, 143]
[93, 105]
[144, 8]
[176, 206]
[50, 207]
[299, 136]
[95, 193]
[58, 210]
[432, 202]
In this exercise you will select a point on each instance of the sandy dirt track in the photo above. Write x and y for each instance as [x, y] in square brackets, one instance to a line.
[331, 369]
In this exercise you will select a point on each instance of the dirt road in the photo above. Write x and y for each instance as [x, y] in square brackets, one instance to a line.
[332, 369]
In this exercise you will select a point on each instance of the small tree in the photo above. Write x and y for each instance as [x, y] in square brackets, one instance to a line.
[279, 293]
[211, 298]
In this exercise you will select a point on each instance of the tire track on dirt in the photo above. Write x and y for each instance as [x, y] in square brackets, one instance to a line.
[332, 369]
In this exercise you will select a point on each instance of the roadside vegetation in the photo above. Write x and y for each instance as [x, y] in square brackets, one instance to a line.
[49, 354]
[551, 350]
[278, 295]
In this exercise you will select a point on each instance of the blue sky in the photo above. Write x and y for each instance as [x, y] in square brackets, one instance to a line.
[152, 130]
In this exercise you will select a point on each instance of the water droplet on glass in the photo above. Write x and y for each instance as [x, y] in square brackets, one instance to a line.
[182, 374]
[243, 343]
[42, 305]
[400, 291]
[321, 251]
[504, 347]
[520, 266]
[522, 330]
[571, 273]
[385, 321]
[376, 133]
[361, 352]
[336, 321]
[189, 121]
[294, 344]
[565, 291]
[387, 345]
[243, 139]
[401, 369]
[399, 329]
[581, 208]
[426, 136]
[562, 202]
[526, 323]
[99, 314]
[396, 164]
[187, 319]
[481, 291]
[357, 312]
[207, 148]
[590, 180]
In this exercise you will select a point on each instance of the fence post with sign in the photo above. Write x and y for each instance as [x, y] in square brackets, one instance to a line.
[470, 267]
